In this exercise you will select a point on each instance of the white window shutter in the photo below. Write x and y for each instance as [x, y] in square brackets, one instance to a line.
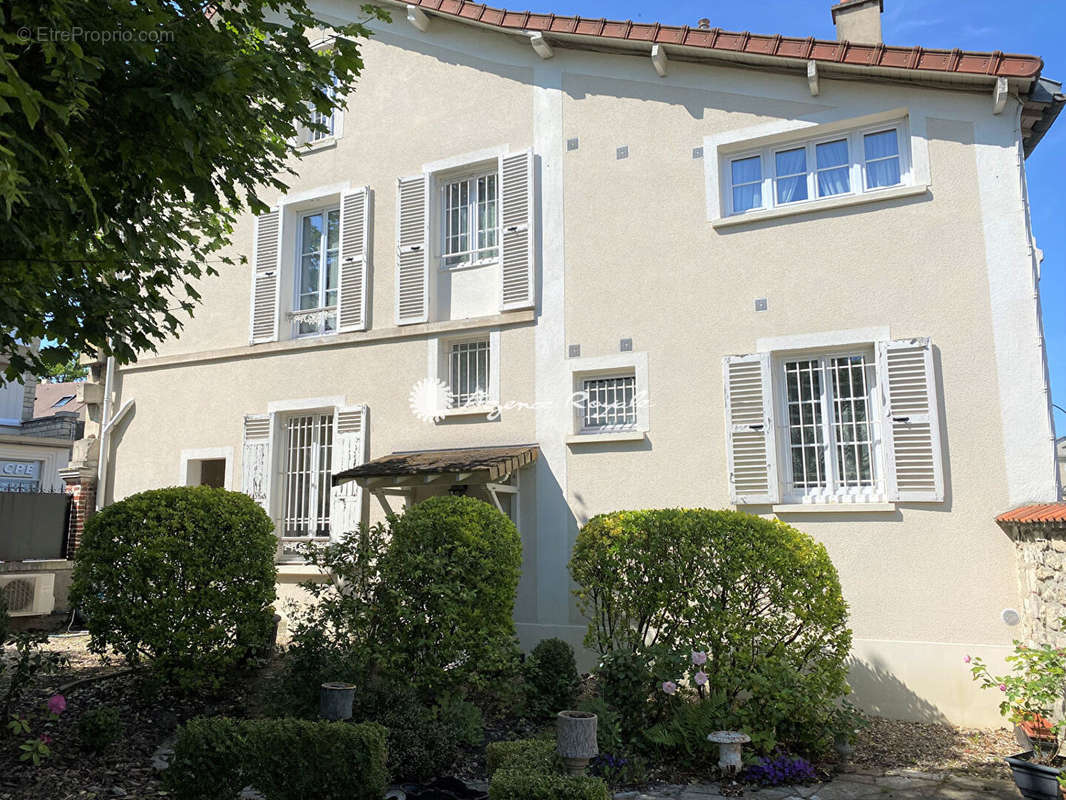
[412, 251]
[751, 446]
[516, 272]
[911, 428]
[266, 268]
[255, 459]
[349, 450]
[354, 268]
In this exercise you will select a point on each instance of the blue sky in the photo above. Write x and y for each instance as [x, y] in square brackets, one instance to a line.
[1029, 26]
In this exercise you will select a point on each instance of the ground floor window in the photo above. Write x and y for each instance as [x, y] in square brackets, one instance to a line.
[609, 403]
[306, 476]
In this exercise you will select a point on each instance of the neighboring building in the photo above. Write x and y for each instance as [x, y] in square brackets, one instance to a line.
[61, 401]
[33, 447]
[1060, 453]
[773, 270]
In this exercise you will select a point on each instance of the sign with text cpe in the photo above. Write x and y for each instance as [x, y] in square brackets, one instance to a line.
[19, 476]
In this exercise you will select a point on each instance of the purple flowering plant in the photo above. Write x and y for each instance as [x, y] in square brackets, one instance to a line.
[780, 769]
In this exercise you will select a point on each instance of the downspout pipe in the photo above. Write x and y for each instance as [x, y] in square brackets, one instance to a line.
[105, 429]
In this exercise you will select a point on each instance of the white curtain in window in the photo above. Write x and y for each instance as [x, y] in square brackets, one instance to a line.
[882, 159]
[833, 170]
[747, 183]
[792, 175]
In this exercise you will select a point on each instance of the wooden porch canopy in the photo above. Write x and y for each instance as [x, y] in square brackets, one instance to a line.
[488, 465]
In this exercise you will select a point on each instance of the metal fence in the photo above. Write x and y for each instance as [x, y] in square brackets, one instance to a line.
[33, 525]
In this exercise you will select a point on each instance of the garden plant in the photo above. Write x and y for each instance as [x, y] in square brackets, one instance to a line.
[180, 578]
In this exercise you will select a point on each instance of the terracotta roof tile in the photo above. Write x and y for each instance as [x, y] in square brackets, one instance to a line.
[870, 55]
[1043, 512]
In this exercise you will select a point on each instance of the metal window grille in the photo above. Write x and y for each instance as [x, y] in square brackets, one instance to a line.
[317, 117]
[471, 224]
[469, 374]
[308, 459]
[609, 403]
[830, 431]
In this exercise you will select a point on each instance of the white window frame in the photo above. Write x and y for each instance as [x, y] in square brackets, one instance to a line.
[189, 471]
[325, 211]
[281, 473]
[856, 166]
[832, 492]
[583, 427]
[471, 175]
[439, 372]
[633, 364]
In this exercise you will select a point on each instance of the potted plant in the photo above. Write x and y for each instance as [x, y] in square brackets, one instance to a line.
[1032, 693]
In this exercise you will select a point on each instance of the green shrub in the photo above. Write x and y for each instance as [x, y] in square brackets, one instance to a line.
[448, 585]
[284, 759]
[551, 678]
[5, 621]
[100, 727]
[180, 576]
[537, 755]
[608, 724]
[514, 784]
[760, 598]
[464, 719]
[421, 744]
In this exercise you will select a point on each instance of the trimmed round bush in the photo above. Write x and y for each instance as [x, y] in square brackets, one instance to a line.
[181, 577]
[551, 678]
[449, 579]
[759, 597]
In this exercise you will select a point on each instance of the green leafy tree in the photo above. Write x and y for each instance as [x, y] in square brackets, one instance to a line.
[132, 135]
[70, 370]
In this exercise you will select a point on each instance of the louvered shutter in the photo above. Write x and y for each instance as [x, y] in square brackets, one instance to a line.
[266, 267]
[354, 269]
[349, 450]
[751, 448]
[412, 252]
[911, 428]
[255, 459]
[516, 273]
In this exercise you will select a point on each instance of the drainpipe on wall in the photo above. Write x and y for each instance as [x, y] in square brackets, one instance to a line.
[105, 424]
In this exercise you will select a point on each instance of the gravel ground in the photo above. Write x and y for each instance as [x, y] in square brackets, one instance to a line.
[125, 769]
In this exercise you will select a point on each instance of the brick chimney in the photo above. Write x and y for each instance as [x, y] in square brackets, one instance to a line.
[858, 21]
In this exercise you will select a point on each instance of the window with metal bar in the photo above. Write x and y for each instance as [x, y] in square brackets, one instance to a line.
[609, 403]
[830, 429]
[468, 374]
[326, 120]
[470, 225]
[306, 476]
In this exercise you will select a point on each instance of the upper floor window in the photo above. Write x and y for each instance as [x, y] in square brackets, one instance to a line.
[318, 251]
[323, 125]
[470, 222]
[841, 164]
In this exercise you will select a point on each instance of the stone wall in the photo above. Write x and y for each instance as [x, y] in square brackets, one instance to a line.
[1042, 580]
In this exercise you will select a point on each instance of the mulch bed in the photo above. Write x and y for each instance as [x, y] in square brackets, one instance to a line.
[125, 769]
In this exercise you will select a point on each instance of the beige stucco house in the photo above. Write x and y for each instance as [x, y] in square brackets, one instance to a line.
[571, 266]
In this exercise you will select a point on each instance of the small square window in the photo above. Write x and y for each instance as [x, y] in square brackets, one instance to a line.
[609, 403]
[469, 381]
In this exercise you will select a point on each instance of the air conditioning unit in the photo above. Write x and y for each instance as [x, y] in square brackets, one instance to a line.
[28, 594]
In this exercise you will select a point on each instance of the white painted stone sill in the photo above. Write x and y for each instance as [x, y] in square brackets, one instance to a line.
[469, 411]
[321, 144]
[296, 570]
[616, 436]
[832, 508]
[828, 204]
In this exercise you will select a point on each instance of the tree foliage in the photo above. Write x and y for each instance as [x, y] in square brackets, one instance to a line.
[132, 135]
